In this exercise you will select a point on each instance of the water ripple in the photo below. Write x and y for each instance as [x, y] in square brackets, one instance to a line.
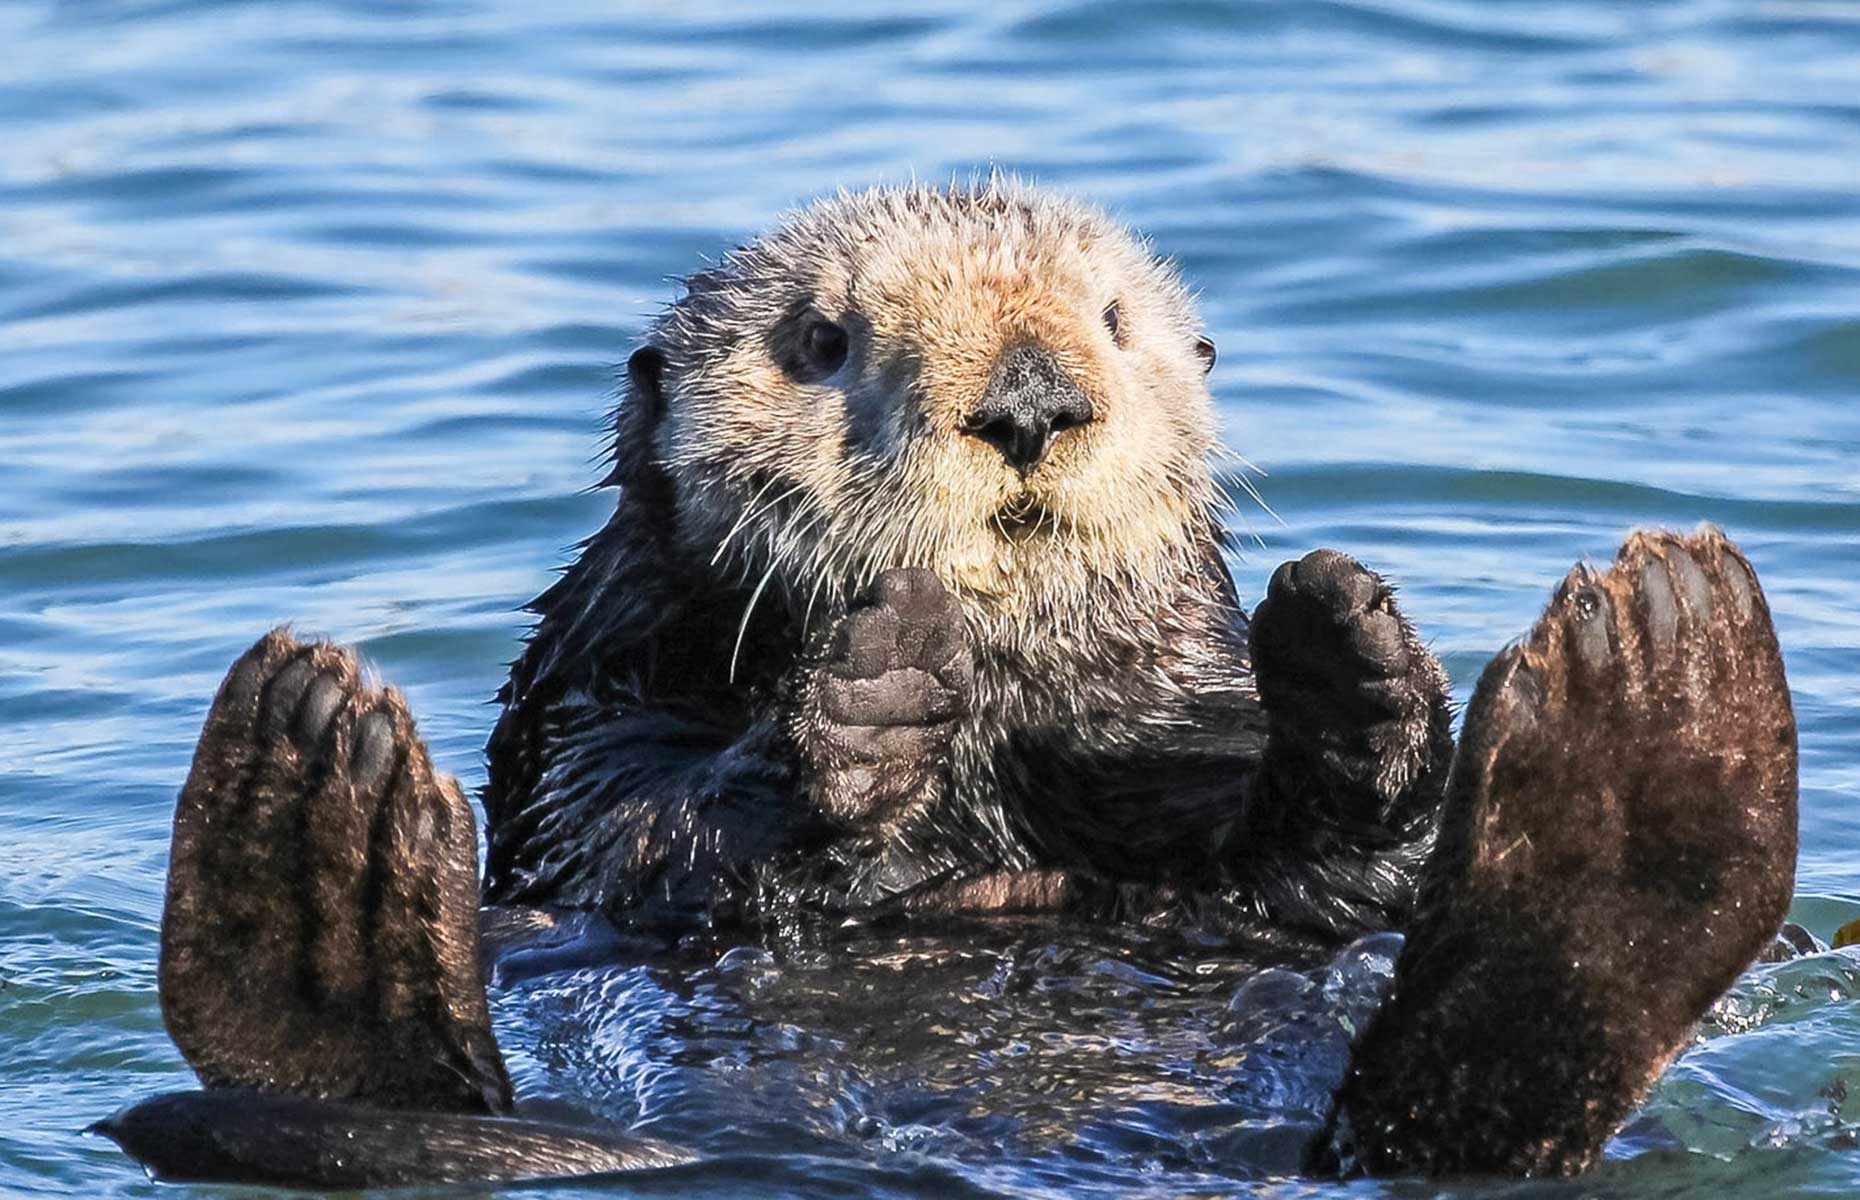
[312, 311]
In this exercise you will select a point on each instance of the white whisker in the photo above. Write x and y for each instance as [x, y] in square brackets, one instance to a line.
[750, 511]
[748, 610]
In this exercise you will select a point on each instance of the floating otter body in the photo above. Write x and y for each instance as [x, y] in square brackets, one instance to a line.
[913, 602]
[914, 593]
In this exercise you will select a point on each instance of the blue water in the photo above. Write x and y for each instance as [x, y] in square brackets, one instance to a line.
[311, 311]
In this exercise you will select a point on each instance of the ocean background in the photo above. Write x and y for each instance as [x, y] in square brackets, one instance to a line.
[312, 312]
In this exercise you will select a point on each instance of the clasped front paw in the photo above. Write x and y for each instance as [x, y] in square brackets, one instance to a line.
[877, 711]
[1330, 623]
[1345, 681]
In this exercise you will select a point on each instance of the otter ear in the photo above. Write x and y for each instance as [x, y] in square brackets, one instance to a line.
[639, 415]
[1204, 346]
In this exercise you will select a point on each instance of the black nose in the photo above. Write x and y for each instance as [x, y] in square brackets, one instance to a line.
[1029, 400]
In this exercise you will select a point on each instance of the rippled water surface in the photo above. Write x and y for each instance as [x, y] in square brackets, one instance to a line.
[310, 311]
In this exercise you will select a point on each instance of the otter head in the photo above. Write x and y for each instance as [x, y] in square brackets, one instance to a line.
[996, 384]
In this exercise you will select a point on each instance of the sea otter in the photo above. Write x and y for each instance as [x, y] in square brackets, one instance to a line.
[914, 594]
[913, 602]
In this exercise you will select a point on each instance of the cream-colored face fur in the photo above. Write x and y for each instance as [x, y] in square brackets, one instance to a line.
[815, 483]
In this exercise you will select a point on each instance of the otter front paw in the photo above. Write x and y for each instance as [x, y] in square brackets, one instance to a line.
[875, 714]
[1348, 687]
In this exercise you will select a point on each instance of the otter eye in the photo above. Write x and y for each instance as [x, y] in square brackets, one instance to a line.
[823, 345]
[1113, 322]
[1205, 348]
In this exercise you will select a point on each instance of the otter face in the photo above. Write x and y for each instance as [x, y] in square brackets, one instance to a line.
[1000, 386]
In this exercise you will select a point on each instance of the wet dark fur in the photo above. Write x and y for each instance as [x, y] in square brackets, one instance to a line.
[629, 771]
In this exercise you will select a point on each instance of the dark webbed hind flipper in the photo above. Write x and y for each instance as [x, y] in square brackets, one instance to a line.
[321, 929]
[320, 956]
[1618, 844]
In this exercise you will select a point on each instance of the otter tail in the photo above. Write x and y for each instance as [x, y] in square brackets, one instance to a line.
[238, 1135]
